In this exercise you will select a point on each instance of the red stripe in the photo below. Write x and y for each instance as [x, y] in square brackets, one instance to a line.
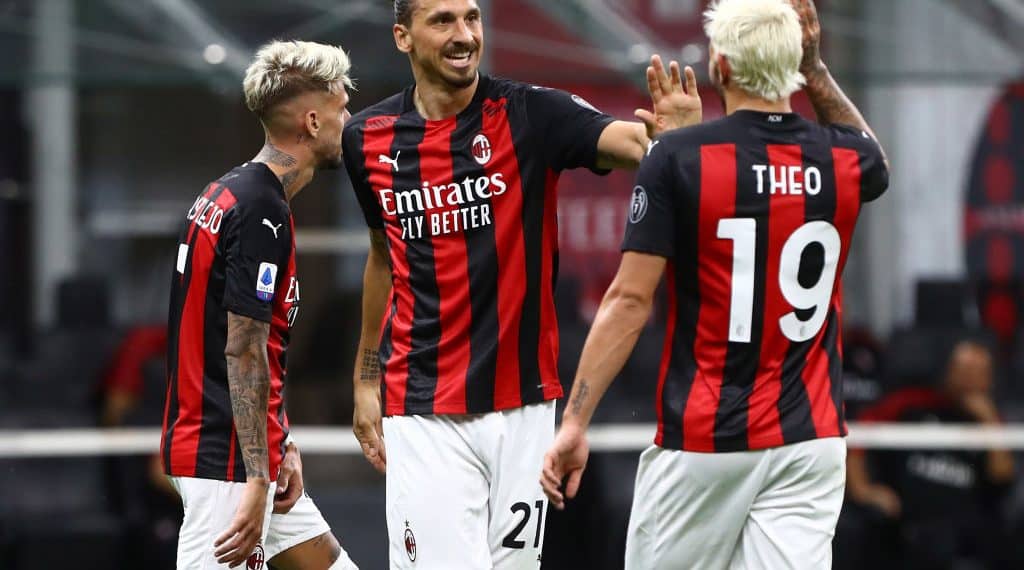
[666, 351]
[786, 213]
[275, 348]
[185, 441]
[816, 377]
[717, 201]
[511, 250]
[378, 135]
[547, 349]
[230, 475]
[450, 270]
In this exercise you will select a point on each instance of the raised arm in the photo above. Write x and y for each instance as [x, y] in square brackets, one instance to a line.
[624, 143]
[249, 389]
[366, 420]
[830, 102]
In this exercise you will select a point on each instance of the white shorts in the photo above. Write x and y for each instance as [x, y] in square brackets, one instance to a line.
[463, 491]
[774, 508]
[209, 509]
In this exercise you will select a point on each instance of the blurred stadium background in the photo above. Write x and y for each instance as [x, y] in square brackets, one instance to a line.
[115, 113]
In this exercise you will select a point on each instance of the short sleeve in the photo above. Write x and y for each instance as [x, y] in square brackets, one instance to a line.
[874, 174]
[651, 224]
[352, 152]
[257, 248]
[569, 127]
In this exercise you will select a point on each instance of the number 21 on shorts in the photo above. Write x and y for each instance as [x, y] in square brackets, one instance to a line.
[514, 539]
[743, 233]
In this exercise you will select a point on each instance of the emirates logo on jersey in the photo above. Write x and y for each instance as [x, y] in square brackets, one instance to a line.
[482, 149]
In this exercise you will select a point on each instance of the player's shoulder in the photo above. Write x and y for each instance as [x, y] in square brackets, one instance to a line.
[254, 186]
[381, 114]
[849, 136]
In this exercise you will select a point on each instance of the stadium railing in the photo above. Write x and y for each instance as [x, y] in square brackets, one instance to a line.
[338, 440]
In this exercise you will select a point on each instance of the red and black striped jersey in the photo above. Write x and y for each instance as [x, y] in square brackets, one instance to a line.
[236, 253]
[469, 208]
[756, 214]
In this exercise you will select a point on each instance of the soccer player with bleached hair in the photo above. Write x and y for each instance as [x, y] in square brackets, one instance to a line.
[751, 218]
[234, 298]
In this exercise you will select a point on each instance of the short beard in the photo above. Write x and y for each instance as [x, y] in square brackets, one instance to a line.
[461, 83]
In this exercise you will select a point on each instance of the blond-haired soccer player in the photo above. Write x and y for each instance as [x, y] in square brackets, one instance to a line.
[234, 297]
[751, 217]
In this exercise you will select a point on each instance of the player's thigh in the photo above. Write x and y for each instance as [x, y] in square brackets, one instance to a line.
[302, 540]
[210, 507]
[436, 496]
[518, 503]
[690, 508]
[792, 522]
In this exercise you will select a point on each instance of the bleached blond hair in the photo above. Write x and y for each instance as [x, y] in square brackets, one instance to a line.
[761, 39]
[282, 70]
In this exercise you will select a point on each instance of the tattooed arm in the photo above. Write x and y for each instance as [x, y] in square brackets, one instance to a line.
[830, 103]
[366, 419]
[249, 388]
[620, 319]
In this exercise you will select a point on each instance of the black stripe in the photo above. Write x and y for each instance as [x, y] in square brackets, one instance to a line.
[743, 359]
[419, 254]
[482, 266]
[217, 418]
[534, 174]
[830, 343]
[682, 369]
[534, 190]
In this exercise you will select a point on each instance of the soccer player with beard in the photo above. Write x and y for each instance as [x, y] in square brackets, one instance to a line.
[751, 217]
[457, 178]
[234, 298]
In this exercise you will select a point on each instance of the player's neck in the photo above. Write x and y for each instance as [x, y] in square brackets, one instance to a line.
[739, 100]
[293, 166]
[435, 102]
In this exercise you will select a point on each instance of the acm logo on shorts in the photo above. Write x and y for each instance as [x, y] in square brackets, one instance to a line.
[256, 559]
[410, 543]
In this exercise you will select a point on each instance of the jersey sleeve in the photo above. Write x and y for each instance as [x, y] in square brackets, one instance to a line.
[569, 127]
[257, 248]
[651, 225]
[352, 152]
[874, 174]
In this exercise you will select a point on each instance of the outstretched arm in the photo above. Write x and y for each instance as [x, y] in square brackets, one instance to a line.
[830, 102]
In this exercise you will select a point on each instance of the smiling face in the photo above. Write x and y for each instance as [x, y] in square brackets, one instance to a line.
[444, 40]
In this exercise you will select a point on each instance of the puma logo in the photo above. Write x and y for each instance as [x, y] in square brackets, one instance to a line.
[272, 227]
[385, 159]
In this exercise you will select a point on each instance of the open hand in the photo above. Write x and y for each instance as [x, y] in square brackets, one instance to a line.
[673, 105]
[808, 14]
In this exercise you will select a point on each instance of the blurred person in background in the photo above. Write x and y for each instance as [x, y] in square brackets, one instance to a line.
[234, 298]
[943, 503]
[457, 178]
[753, 217]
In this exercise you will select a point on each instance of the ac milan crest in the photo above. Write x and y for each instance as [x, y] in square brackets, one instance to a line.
[410, 543]
[482, 149]
[256, 559]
